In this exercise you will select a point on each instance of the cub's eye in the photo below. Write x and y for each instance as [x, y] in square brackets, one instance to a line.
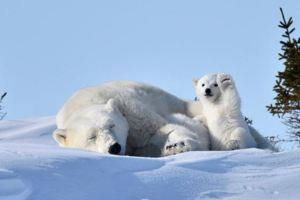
[93, 137]
[216, 85]
[203, 85]
[111, 126]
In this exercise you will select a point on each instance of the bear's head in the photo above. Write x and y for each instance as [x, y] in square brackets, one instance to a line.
[100, 128]
[208, 88]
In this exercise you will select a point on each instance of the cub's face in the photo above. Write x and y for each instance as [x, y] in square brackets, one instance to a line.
[98, 128]
[208, 88]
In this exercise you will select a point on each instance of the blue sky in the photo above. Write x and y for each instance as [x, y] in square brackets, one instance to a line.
[49, 49]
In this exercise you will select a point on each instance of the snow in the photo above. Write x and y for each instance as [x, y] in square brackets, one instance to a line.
[32, 166]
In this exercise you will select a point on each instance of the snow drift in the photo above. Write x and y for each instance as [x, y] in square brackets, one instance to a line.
[32, 166]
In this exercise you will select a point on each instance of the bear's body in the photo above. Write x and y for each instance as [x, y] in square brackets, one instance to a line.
[221, 110]
[180, 134]
[120, 117]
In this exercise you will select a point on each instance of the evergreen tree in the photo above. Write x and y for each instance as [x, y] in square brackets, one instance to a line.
[287, 87]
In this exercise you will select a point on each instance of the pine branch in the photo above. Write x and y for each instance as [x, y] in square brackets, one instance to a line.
[2, 96]
[2, 114]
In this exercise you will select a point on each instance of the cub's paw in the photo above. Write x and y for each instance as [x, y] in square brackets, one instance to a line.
[175, 148]
[224, 80]
[233, 144]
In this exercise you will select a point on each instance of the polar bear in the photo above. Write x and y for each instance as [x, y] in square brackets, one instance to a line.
[125, 117]
[221, 110]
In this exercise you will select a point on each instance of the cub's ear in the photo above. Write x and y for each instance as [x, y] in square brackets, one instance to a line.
[195, 81]
[60, 136]
[111, 105]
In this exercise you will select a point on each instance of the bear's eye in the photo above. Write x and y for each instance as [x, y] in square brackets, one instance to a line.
[216, 85]
[111, 126]
[203, 84]
[93, 137]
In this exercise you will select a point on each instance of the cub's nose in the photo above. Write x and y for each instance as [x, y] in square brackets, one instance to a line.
[114, 149]
[207, 91]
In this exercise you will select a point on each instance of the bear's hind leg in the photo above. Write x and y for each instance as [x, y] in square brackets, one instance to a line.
[240, 138]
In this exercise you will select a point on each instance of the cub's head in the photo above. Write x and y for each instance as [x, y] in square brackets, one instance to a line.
[100, 128]
[208, 87]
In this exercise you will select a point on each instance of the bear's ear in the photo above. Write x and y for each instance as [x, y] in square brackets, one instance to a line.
[111, 105]
[60, 136]
[195, 81]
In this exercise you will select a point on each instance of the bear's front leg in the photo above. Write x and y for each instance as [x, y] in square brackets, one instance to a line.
[180, 146]
[181, 140]
[231, 99]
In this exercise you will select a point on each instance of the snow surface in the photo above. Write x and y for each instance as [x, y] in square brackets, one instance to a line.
[33, 167]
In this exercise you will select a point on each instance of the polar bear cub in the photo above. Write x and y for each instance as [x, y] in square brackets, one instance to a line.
[222, 111]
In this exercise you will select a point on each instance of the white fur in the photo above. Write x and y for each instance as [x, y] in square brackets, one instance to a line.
[222, 112]
[261, 142]
[186, 134]
[134, 115]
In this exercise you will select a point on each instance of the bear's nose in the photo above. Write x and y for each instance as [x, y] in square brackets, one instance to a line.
[114, 149]
[207, 91]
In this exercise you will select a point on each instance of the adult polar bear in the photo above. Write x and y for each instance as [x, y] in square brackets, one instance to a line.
[221, 111]
[124, 117]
